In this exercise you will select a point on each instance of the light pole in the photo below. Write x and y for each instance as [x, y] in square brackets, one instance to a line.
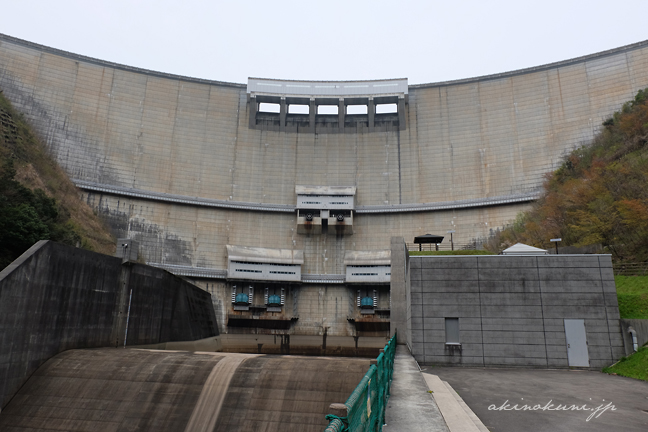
[451, 239]
[555, 241]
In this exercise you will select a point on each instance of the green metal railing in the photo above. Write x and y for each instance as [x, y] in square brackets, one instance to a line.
[366, 405]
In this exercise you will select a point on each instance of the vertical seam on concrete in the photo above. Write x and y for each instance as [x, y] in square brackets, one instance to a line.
[422, 310]
[607, 318]
[209, 403]
[632, 85]
[105, 126]
[481, 316]
[544, 329]
[174, 148]
[234, 166]
[400, 184]
[137, 157]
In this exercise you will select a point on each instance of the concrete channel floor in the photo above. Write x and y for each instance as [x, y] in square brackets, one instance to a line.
[423, 403]
[486, 391]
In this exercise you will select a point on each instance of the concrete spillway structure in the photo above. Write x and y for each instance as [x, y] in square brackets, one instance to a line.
[115, 389]
[187, 167]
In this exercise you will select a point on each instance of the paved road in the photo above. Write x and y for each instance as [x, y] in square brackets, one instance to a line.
[484, 388]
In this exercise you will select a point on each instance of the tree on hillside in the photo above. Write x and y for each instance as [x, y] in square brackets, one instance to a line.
[598, 196]
[27, 216]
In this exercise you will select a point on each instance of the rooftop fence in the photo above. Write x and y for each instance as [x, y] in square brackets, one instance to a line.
[414, 247]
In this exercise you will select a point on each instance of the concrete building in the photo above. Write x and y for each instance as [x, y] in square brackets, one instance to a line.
[304, 183]
[539, 310]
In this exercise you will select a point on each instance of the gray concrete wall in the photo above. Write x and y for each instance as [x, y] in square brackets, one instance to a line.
[511, 310]
[56, 297]
[400, 289]
[641, 328]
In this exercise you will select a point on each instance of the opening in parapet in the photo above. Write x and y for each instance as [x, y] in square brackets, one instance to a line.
[269, 107]
[298, 109]
[356, 109]
[327, 110]
[391, 108]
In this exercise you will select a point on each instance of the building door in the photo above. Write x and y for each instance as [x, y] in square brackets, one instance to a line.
[576, 342]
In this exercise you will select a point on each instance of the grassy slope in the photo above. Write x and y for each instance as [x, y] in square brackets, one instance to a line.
[35, 168]
[635, 366]
[632, 293]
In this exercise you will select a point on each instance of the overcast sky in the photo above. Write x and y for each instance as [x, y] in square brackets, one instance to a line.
[425, 41]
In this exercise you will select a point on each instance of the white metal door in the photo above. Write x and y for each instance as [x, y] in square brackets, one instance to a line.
[576, 342]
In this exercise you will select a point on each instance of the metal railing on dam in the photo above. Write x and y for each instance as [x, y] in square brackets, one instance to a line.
[290, 208]
[365, 407]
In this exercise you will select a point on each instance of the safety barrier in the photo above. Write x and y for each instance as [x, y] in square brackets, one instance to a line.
[631, 269]
[415, 247]
[365, 408]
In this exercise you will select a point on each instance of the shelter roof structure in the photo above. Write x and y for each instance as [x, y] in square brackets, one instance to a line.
[428, 238]
[525, 250]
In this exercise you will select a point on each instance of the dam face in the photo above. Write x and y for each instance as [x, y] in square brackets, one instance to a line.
[285, 194]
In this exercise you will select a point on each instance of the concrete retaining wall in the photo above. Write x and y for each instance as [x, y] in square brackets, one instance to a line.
[56, 297]
[640, 326]
[511, 310]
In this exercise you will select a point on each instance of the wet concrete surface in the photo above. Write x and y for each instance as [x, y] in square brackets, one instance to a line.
[556, 400]
[113, 389]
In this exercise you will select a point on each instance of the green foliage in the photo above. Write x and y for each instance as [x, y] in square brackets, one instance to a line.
[631, 284]
[27, 216]
[598, 195]
[632, 294]
[20, 226]
[635, 366]
[31, 214]
[633, 306]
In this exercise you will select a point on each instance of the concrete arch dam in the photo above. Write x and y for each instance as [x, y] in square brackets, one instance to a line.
[256, 204]
[129, 389]
[186, 166]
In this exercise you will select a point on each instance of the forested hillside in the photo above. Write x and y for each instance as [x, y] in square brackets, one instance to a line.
[37, 200]
[599, 196]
